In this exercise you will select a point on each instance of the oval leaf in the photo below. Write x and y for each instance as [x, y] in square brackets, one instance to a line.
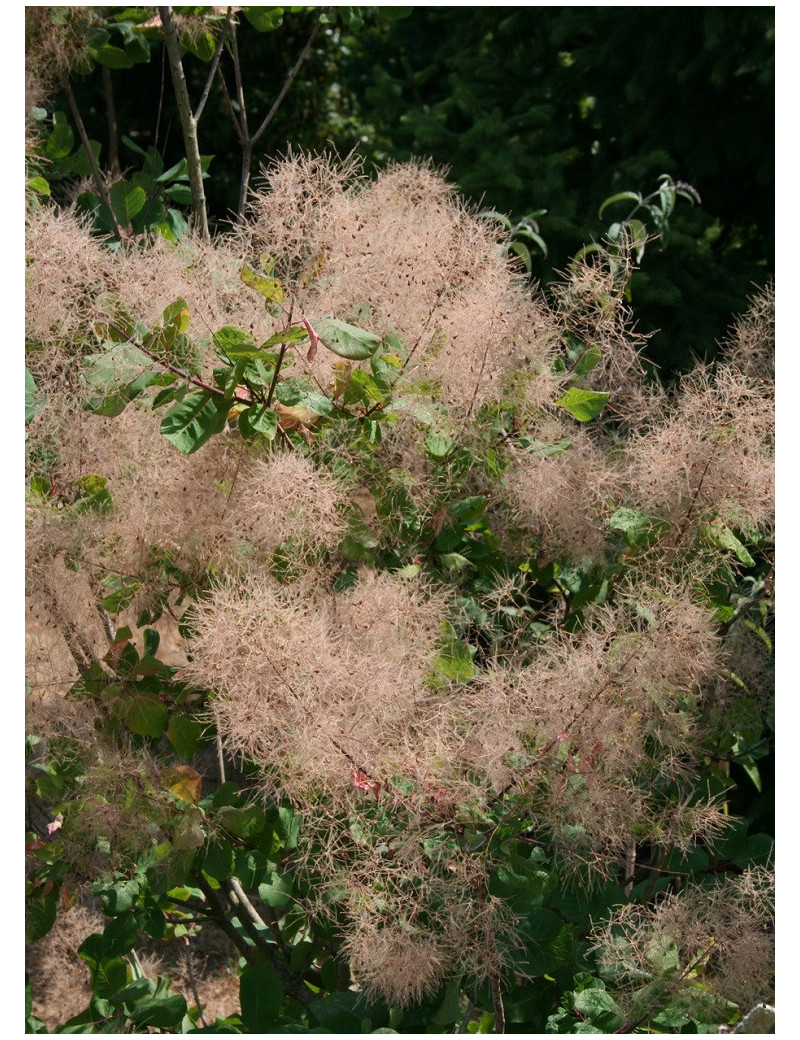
[261, 996]
[192, 421]
[126, 201]
[270, 288]
[348, 341]
[583, 405]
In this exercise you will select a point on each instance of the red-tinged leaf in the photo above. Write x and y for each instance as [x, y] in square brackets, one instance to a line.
[313, 336]
[364, 783]
[114, 655]
[55, 825]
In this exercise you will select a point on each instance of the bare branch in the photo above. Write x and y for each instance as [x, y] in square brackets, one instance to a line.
[201, 104]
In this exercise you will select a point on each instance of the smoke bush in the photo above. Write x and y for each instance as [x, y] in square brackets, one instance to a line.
[467, 603]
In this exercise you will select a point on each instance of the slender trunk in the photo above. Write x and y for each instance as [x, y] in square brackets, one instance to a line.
[188, 122]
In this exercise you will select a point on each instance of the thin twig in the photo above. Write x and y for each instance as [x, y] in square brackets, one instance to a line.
[630, 867]
[465, 1021]
[97, 176]
[285, 88]
[295, 986]
[695, 496]
[255, 916]
[231, 109]
[194, 380]
[192, 981]
[201, 104]
[220, 759]
[248, 142]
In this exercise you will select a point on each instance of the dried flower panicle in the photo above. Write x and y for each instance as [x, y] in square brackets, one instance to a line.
[702, 944]
[404, 254]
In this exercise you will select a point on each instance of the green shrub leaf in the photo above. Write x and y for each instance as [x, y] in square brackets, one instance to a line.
[345, 340]
[261, 997]
[583, 405]
[192, 421]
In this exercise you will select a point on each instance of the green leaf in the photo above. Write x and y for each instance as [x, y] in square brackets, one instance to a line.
[270, 288]
[533, 237]
[195, 419]
[79, 162]
[159, 1012]
[112, 57]
[583, 405]
[296, 393]
[590, 359]
[277, 892]
[492, 214]
[453, 561]
[180, 193]
[622, 196]
[438, 445]
[520, 250]
[261, 997]
[287, 827]
[233, 344]
[218, 859]
[258, 419]
[720, 536]
[638, 236]
[174, 322]
[185, 734]
[544, 450]
[110, 378]
[120, 935]
[145, 714]
[247, 822]
[202, 45]
[351, 17]
[40, 185]
[126, 201]
[60, 139]
[347, 341]
[453, 663]
[119, 897]
[93, 494]
[294, 334]
[339, 1012]
[449, 1010]
[264, 19]
[600, 1009]
[548, 943]
[189, 833]
[32, 405]
[637, 528]
[109, 974]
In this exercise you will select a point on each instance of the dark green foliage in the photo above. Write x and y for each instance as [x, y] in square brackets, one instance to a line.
[559, 107]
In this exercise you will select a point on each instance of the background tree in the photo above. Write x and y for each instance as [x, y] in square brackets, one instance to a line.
[557, 108]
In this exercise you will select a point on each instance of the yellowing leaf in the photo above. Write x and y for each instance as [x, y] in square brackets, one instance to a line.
[184, 782]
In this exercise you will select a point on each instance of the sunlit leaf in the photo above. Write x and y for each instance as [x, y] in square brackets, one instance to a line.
[348, 341]
[583, 405]
[270, 288]
[184, 782]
